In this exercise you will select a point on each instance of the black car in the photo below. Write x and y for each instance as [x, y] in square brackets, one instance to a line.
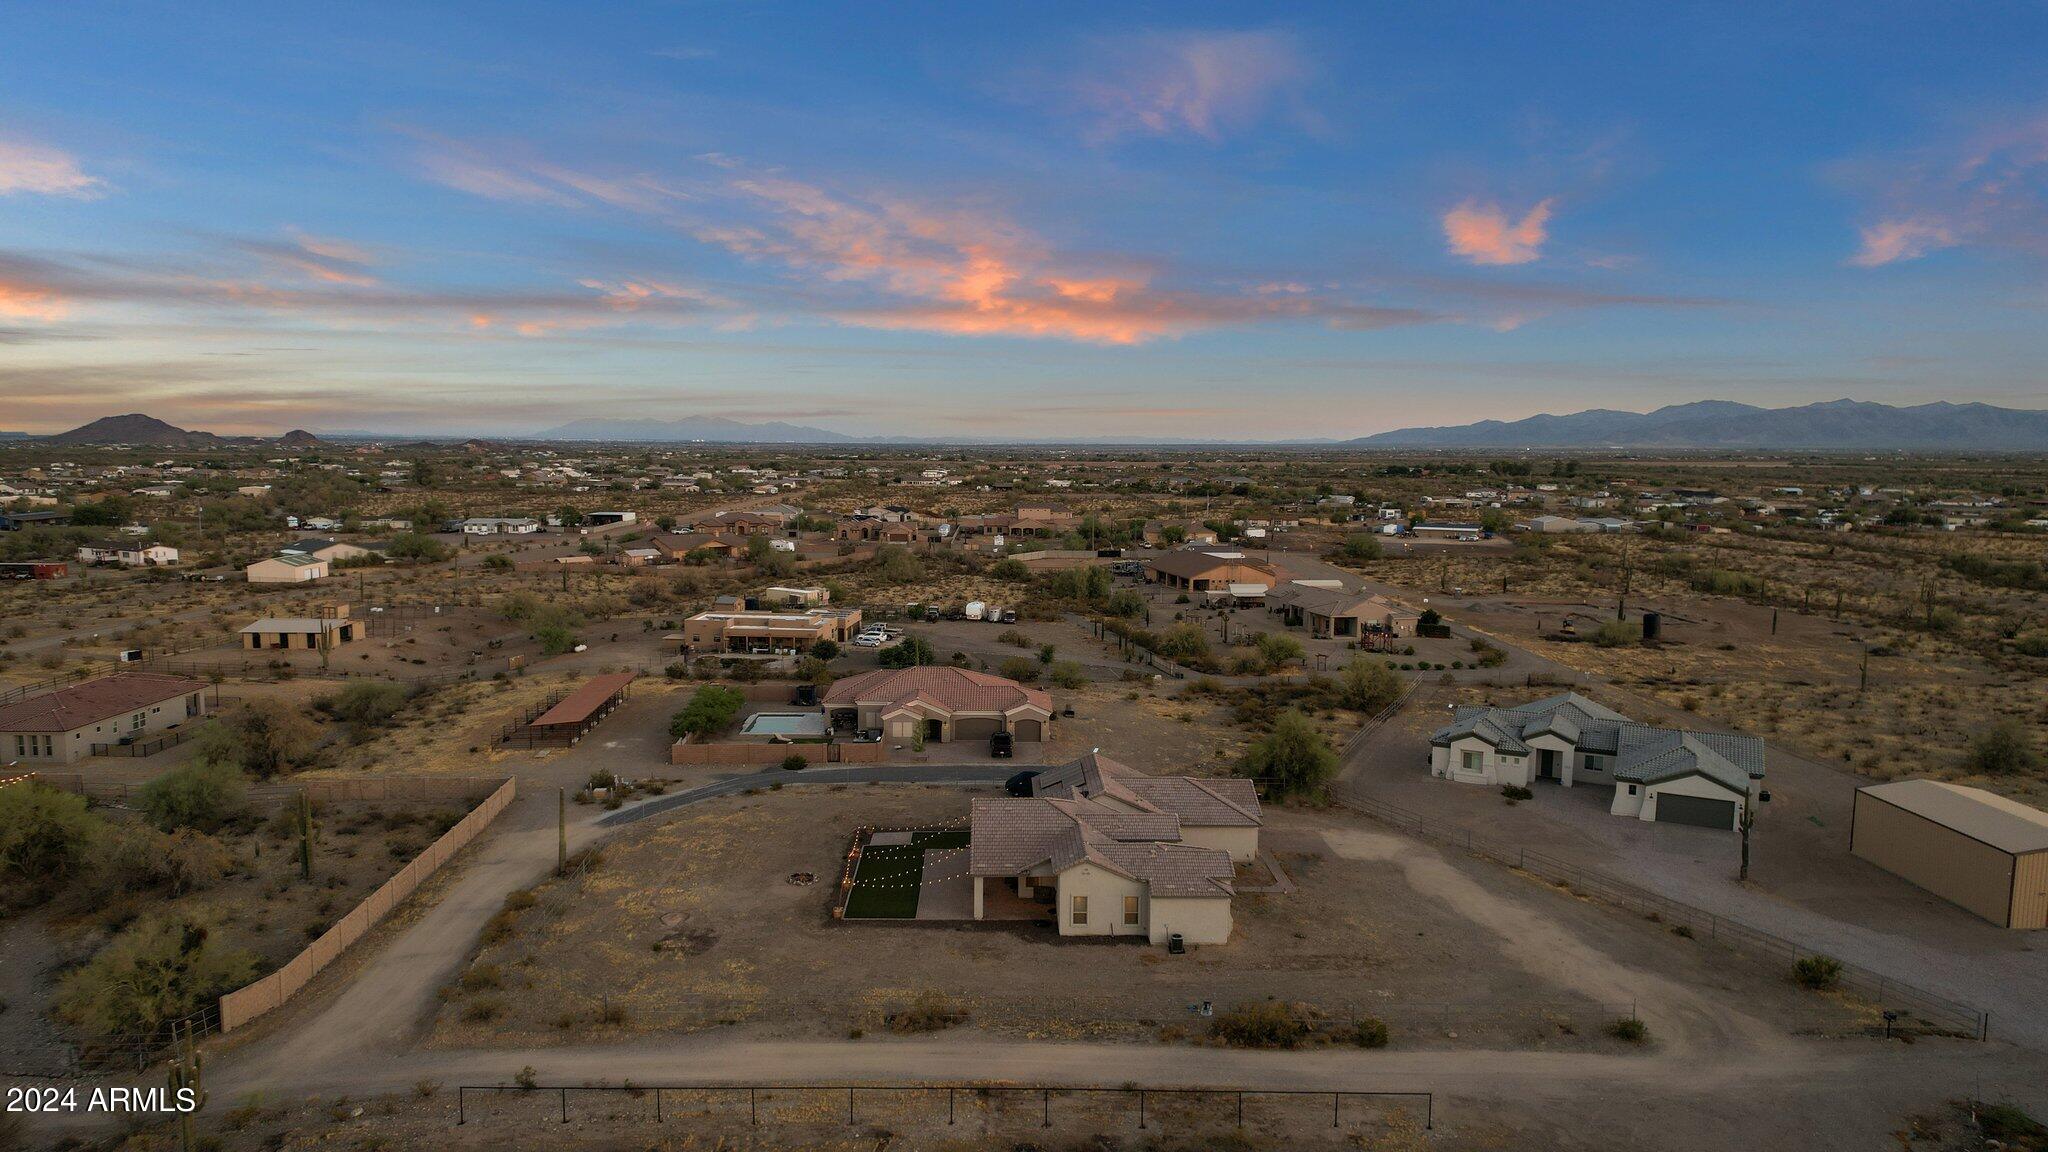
[1001, 746]
[1020, 784]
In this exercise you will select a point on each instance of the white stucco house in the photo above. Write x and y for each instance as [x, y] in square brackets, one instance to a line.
[1117, 852]
[1671, 775]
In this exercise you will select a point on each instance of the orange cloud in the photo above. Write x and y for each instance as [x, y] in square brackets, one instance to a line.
[27, 302]
[41, 171]
[1891, 240]
[1484, 234]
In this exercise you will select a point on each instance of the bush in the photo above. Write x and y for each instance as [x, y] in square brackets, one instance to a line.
[931, 1011]
[262, 737]
[1184, 642]
[1369, 686]
[1818, 972]
[1022, 669]
[162, 969]
[554, 639]
[1361, 546]
[1013, 638]
[45, 838]
[1616, 633]
[202, 795]
[1292, 758]
[1371, 1032]
[2004, 749]
[368, 703]
[1010, 568]
[795, 762]
[1067, 674]
[1278, 650]
[1630, 1029]
[710, 709]
[1513, 792]
[1265, 1024]
[825, 650]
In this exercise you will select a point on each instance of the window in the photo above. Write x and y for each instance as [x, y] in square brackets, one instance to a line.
[1591, 763]
[136, 721]
[1080, 915]
[21, 745]
[1631, 789]
[1475, 761]
[1130, 910]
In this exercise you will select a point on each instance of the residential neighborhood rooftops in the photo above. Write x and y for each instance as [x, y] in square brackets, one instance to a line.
[2007, 825]
[93, 701]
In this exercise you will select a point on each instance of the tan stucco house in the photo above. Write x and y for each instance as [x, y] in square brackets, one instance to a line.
[1119, 853]
[940, 703]
[1671, 775]
[61, 727]
[287, 568]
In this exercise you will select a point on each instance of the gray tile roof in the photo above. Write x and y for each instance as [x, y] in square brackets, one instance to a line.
[1645, 754]
[1015, 836]
[1226, 802]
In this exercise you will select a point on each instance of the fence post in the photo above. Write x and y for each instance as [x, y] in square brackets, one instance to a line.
[565, 1105]
[461, 1113]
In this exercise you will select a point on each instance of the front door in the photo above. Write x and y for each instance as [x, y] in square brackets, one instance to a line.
[1546, 764]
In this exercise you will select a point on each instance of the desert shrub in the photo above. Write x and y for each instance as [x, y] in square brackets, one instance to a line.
[825, 650]
[795, 762]
[2011, 1127]
[1514, 792]
[368, 703]
[1184, 642]
[1615, 633]
[498, 563]
[1361, 546]
[1066, 674]
[1818, 972]
[1022, 669]
[46, 837]
[1630, 1029]
[1370, 1032]
[893, 565]
[710, 709]
[2004, 749]
[1277, 649]
[1293, 758]
[262, 737]
[1265, 1024]
[161, 969]
[931, 1011]
[136, 857]
[482, 978]
[1010, 568]
[1013, 638]
[202, 794]
[1369, 686]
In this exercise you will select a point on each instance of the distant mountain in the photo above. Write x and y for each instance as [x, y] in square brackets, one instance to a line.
[711, 428]
[299, 438]
[134, 428]
[16, 435]
[1837, 425]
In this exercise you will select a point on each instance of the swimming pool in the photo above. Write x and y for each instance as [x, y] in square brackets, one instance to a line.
[793, 724]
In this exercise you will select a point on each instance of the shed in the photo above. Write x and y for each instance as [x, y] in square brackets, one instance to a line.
[1972, 847]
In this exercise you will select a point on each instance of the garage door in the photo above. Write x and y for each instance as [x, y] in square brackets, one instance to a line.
[1673, 808]
[977, 728]
[1028, 730]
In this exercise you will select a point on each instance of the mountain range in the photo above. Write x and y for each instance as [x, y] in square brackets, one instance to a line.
[1837, 425]
[709, 428]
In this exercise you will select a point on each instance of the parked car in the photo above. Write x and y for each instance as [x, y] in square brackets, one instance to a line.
[867, 640]
[1001, 746]
[1009, 616]
[1020, 784]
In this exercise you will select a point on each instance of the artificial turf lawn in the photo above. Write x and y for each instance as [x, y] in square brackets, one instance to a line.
[887, 884]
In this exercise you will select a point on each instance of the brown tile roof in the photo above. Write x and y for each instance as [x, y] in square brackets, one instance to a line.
[93, 701]
[1223, 802]
[1015, 836]
[1193, 564]
[952, 689]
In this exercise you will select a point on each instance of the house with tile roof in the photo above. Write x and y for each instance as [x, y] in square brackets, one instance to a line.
[61, 727]
[1672, 775]
[940, 703]
[1117, 852]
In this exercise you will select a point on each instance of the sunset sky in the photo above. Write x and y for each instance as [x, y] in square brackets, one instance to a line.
[1033, 220]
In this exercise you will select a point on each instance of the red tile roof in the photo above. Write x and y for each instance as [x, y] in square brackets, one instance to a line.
[75, 707]
[953, 689]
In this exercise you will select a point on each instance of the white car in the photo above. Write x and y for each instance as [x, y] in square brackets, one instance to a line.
[869, 640]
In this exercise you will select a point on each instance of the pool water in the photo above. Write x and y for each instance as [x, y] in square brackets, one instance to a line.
[784, 724]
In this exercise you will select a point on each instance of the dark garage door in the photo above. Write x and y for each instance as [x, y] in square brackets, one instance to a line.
[1673, 808]
[977, 728]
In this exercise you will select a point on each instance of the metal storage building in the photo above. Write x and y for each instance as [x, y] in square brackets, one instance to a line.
[1980, 850]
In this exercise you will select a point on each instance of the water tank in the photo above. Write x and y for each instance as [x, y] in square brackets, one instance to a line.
[1652, 625]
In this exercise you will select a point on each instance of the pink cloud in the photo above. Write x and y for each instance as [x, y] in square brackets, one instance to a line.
[1892, 240]
[43, 171]
[1203, 84]
[20, 301]
[1484, 234]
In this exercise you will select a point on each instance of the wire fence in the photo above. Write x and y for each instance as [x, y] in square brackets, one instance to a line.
[655, 1100]
[1932, 1011]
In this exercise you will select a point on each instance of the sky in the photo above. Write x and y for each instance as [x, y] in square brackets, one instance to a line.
[984, 220]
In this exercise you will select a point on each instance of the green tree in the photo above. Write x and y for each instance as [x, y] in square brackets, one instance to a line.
[163, 968]
[45, 838]
[1067, 674]
[202, 795]
[1293, 758]
[1278, 649]
[894, 565]
[416, 546]
[913, 651]
[1361, 546]
[368, 703]
[1368, 685]
[825, 650]
[1010, 568]
[569, 516]
[1184, 642]
[262, 737]
[710, 709]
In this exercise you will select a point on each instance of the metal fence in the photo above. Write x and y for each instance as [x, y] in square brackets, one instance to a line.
[1933, 1011]
[1136, 1099]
